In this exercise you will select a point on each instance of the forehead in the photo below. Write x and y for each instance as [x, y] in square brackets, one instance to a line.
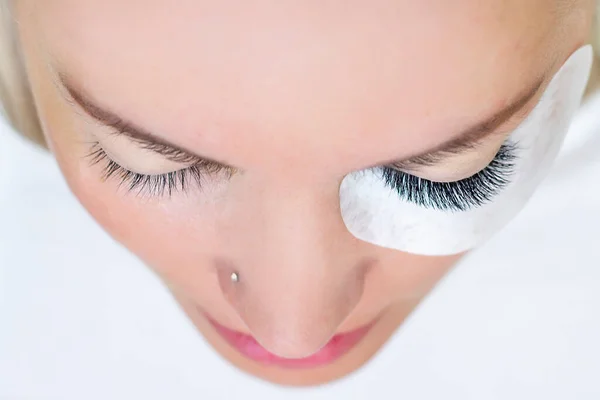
[338, 80]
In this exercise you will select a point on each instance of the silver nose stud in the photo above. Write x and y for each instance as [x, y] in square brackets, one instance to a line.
[235, 277]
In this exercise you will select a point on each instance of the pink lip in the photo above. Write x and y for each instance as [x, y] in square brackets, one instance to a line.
[334, 349]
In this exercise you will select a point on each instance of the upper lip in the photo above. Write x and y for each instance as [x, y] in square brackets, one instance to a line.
[245, 333]
[335, 347]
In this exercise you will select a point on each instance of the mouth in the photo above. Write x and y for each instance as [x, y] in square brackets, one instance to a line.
[334, 349]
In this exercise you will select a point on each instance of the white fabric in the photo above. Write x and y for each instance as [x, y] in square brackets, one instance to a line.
[81, 318]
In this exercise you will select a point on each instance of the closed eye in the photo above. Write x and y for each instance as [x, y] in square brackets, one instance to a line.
[458, 196]
[156, 184]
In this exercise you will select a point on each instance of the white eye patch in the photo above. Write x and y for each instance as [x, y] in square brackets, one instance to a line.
[406, 214]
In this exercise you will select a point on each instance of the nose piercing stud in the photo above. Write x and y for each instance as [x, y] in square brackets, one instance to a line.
[235, 277]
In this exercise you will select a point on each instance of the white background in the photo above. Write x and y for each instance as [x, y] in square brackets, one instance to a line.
[81, 318]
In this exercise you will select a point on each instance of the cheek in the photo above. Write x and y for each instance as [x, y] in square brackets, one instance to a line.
[413, 276]
[177, 238]
[173, 238]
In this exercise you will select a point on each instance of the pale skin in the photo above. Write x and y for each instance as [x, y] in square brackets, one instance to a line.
[294, 95]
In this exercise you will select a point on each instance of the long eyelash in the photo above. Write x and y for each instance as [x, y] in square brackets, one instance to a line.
[154, 185]
[462, 195]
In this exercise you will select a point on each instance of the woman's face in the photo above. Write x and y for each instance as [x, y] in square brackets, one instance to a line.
[211, 137]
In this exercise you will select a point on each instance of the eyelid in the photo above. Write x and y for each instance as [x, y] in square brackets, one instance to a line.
[440, 156]
[461, 166]
[435, 158]
[172, 154]
[153, 184]
[180, 156]
[169, 152]
[460, 149]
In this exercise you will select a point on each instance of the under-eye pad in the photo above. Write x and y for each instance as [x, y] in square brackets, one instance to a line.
[376, 211]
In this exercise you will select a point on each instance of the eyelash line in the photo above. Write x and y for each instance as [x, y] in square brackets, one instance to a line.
[458, 196]
[461, 195]
[154, 185]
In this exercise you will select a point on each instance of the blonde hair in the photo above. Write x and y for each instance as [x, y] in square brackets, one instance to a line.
[16, 99]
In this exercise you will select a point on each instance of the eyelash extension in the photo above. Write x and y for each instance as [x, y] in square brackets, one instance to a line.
[154, 185]
[461, 195]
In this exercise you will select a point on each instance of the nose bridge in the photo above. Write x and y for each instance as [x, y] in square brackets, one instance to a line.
[291, 220]
[300, 278]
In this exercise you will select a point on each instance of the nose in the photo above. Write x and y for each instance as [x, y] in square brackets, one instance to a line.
[301, 273]
[294, 315]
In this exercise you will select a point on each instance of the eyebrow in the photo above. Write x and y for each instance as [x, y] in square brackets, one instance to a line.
[471, 137]
[462, 142]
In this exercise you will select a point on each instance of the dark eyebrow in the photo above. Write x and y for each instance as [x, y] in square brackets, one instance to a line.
[468, 139]
[121, 126]
[460, 143]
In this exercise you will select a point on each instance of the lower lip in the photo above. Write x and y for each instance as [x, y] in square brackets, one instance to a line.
[334, 349]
